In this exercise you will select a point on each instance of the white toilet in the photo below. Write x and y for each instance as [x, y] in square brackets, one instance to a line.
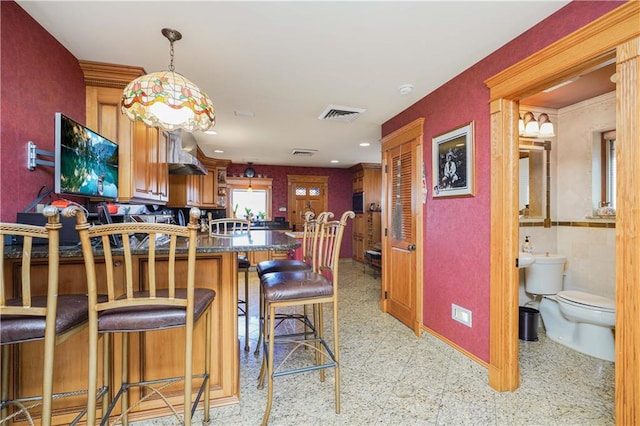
[576, 319]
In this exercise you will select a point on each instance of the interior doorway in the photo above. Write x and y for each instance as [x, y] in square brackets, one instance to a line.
[402, 279]
[617, 34]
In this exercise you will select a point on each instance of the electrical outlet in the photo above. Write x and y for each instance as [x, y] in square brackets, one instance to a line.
[461, 314]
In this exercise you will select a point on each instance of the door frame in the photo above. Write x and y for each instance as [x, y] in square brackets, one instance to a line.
[615, 34]
[322, 181]
[408, 132]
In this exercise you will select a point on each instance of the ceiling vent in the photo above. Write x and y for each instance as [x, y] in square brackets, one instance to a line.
[340, 113]
[303, 152]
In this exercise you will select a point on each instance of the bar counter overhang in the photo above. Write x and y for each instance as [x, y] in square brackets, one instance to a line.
[216, 268]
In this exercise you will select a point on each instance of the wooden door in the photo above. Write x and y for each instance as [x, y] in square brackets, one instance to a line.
[306, 193]
[401, 288]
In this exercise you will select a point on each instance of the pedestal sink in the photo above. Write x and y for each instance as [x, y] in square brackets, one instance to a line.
[525, 259]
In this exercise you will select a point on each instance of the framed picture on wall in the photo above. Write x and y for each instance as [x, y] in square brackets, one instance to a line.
[453, 163]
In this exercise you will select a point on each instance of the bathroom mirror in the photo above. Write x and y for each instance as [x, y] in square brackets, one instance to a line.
[534, 181]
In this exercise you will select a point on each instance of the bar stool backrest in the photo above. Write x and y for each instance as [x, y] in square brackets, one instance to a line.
[228, 227]
[310, 234]
[51, 232]
[155, 239]
[327, 255]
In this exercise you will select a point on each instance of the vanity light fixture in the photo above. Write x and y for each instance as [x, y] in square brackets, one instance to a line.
[167, 99]
[529, 127]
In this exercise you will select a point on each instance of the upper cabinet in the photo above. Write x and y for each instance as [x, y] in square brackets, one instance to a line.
[143, 174]
[213, 186]
[367, 178]
[200, 190]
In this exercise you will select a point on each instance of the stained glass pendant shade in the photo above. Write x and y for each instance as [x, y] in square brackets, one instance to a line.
[168, 100]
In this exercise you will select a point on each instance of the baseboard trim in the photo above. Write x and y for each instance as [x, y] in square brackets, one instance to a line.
[455, 346]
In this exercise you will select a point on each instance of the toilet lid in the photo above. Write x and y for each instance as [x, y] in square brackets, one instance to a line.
[582, 298]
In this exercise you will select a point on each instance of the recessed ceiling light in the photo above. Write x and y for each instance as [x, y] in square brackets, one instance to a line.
[218, 151]
[335, 161]
[211, 132]
[249, 114]
[365, 144]
[405, 89]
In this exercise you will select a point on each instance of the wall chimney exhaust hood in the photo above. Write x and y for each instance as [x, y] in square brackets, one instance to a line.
[180, 159]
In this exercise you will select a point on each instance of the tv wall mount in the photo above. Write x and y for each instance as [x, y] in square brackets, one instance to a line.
[32, 156]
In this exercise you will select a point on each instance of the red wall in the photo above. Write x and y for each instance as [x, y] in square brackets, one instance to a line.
[457, 231]
[340, 190]
[38, 78]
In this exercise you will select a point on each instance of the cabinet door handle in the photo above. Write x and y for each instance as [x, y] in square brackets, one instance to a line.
[411, 247]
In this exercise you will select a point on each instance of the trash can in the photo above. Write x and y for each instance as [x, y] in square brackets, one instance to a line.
[528, 326]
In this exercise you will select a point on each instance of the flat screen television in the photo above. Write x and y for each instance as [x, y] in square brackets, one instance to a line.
[357, 204]
[86, 163]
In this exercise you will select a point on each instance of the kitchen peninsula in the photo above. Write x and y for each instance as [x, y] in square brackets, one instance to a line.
[216, 268]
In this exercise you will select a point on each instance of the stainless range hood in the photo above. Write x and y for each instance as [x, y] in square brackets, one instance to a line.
[180, 159]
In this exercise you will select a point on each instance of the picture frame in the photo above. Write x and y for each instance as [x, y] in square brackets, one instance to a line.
[454, 163]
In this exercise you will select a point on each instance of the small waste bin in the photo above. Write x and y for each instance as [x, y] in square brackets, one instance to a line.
[528, 326]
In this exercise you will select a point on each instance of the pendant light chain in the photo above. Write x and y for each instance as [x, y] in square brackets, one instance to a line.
[171, 68]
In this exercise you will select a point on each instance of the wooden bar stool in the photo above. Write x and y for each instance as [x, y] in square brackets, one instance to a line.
[36, 312]
[170, 300]
[309, 238]
[294, 288]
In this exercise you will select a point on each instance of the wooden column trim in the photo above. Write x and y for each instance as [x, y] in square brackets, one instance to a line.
[628, 235]
[504, 374]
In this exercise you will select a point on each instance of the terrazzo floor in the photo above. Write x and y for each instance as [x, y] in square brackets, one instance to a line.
[390, 377]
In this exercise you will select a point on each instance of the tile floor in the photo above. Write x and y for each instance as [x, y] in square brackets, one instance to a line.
[390, 377]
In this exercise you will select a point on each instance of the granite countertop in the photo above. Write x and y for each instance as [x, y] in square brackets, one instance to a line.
[256, 240]
[269, 225]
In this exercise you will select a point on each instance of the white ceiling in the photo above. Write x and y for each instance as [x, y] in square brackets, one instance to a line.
[287, 61]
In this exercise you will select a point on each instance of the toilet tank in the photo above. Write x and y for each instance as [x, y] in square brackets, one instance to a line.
[544, 276]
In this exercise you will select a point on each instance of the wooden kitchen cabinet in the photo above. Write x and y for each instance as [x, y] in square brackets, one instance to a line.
[208, 196]
[211, 185]
[367, 178]
[358, 237]
[184, 190]
[142, 170]
[373, 234]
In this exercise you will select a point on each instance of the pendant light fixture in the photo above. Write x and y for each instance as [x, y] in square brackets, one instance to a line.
[167, 99]
[249, 172]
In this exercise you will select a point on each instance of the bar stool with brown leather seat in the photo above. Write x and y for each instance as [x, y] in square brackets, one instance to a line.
[228, 227]
[294, 288]
[170, 299]
[35, 311]
[309, 236]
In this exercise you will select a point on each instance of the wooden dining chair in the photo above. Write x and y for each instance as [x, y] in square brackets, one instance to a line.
[34, 311]
[309, 238]
[228, 227]
[170, 300]
[295, 288]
